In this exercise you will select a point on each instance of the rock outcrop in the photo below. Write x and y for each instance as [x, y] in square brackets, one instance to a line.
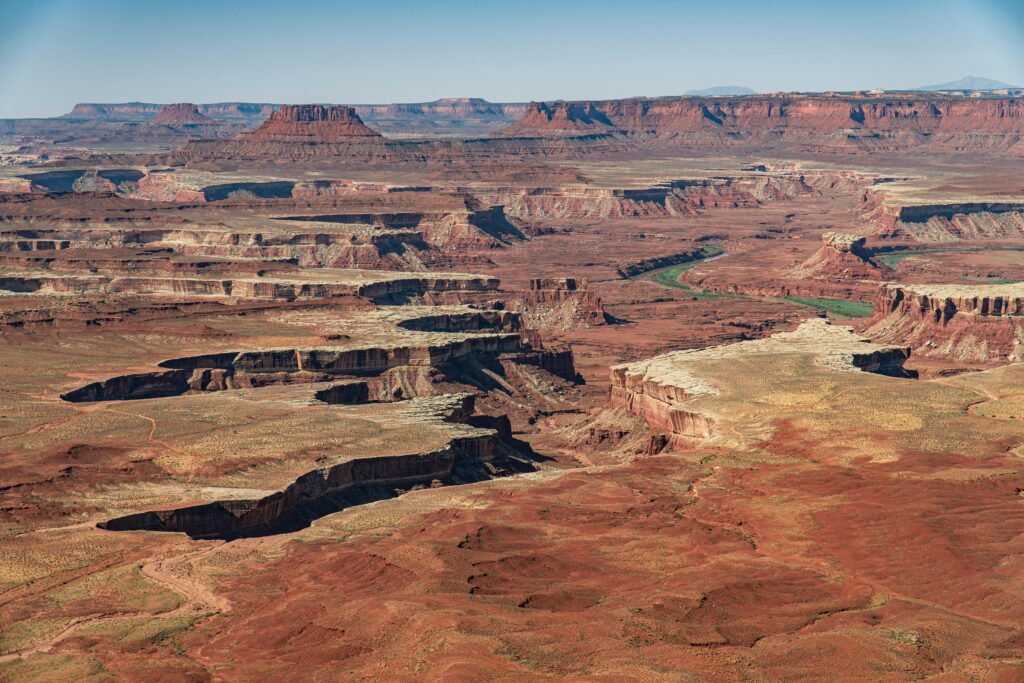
[562, 117]
[298, 132]
[842, 257]
[560, 304]
[662, 389]
[684, 197]
[181, 114]
[976, 323]
[946, 222]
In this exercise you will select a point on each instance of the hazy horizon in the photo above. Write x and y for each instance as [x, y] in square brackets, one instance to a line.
[56, 53]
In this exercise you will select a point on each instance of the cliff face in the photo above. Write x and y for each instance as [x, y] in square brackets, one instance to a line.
[673, 198]
[950, 222]
[950, 123]
[181, 114]
[981, 323]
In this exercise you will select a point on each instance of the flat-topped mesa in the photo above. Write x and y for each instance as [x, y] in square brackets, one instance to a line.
[662, 388]
[180, 114]
[313, 123]
[876, 122]
[842, 256]
[981, 323]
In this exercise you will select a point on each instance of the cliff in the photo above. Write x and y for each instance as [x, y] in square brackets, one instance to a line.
[824, 122]
[664, 390]
[945, 222]
[981, 323]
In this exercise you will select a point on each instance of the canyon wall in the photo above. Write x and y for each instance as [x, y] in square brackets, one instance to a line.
[979, 323]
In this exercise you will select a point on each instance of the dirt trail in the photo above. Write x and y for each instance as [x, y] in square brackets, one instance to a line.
[174, 569]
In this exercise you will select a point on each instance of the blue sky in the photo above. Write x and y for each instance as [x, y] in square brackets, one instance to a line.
[54, 53]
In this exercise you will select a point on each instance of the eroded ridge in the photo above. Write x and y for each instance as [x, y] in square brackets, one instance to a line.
[663, 389]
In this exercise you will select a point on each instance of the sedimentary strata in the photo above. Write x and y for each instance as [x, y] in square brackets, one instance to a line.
[822, 123]
[319, 284]
[980, 323]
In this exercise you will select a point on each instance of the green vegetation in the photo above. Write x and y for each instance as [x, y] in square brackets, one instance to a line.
[841, 307]
[669, 277]
[892, 258]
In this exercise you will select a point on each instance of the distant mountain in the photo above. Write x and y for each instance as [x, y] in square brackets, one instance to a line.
[969, 83]
[721, 91]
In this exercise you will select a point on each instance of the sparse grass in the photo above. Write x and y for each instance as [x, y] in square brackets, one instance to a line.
[893, 258]
[840, 307]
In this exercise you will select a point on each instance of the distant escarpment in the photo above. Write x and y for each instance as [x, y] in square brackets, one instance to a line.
[145, 111]
[979, 323]
[446, 116]
[821, 123]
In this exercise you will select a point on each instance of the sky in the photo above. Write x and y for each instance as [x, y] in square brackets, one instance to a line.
[54, 53]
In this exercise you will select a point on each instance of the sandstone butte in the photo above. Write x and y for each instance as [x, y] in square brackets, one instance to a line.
[180, 114]
[842, 256]
[304, 123]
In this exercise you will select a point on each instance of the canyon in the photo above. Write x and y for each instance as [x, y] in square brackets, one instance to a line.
[675, 388]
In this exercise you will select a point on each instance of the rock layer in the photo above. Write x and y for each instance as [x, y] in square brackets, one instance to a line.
[981, 323]
[821, 121]
[312, 124]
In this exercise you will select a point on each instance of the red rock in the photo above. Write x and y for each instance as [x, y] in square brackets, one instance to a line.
[982, 323]
[841, 257]
[312, 123]
[181, 114]
[826, 122]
